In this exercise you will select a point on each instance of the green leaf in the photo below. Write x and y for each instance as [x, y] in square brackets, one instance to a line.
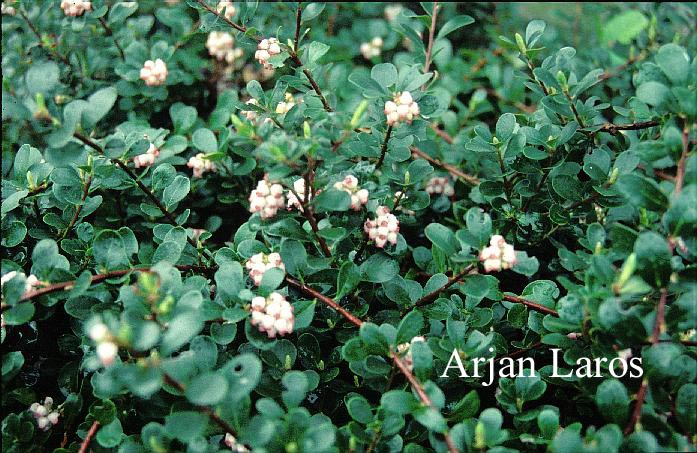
[42, 76]
[398, 402]
[109, 250]
[109, 436]
[359, 409]
[176, 191]
[296, 386]
[207, 389]
[385, 74]
[379, 268]
[653, 93]
[185, 425]
[454, 24]
[674, 62]
[642, 192]
[625, 26]
[183, 117]
[443, 238]
[205, 141]
[99, 104]
[332, 200]
[612, 400]
[348, 278]
[180, 331]
[685, 404]
[505, 126]
[316, 50]
[409, 327]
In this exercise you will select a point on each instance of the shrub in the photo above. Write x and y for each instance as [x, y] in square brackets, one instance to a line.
[284, 227]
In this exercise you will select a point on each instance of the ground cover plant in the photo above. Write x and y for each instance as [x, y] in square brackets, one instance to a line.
[294, 227]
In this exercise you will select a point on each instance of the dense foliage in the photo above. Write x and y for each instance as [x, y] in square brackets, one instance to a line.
[279, 227]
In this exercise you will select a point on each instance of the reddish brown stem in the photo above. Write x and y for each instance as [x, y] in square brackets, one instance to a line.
[298, 22]
[447, 138]
[325, 300]
[613, 129]
[240, 28]
[431, 38]
[85, 192]
[109, 32]
[88, 438]
[430, 297]
[682, 163]
[453, 170]
[530, 304]
[383, 148]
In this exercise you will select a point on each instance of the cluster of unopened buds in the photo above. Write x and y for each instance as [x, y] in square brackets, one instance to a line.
[260, 263]
[372, 49]
[107, 349]
[266, 199]
[30, 282]
[199, 164]
[402, 109]
[220, 45]
[272, 315]
[359, 196]
[440, 185]
[404, 351]
[154, 73]
[299, 189]
[392, 11]
[75, 8]
[44, 414]
[233, 445]
[227, 8]
[498, 255]
[384, 228]
[267, 48]
[148, 158]
[284, 106]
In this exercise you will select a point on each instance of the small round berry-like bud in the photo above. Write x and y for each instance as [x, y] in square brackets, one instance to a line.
[266, 49]
[107, 351]
[498, 255]
[383, 229]
[154, 73]
[266, 199]
[199, 164]
[75, 8]
[402, 108]
[273, 315]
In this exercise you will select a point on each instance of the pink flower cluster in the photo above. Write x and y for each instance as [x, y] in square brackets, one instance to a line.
[272, 315]
[267, 48]
[107, 349]
[228, 8]
[404, 351]
[154, 73]
[30, 283]
[44, 415]
[260, 263]
[384, 228]
[148, 158]
[199, 164]
[498, 255]
[349, 184]
[402, 109]
[233, 445]
[440, 185]
[75, 8]
[266, 199]
[299, 188]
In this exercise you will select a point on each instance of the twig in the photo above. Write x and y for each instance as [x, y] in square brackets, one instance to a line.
[431, 36]
[418, 388]
[85, 192]
[225, 426]
[240, 28]
[682, 163]
[530, 304]
[88, 438]
[613, 129]
[442, 134]
[168, 215]
[453, 170]
[109, 32]
[55, 287]
[572, 104]
[620, 69]
[53, 52]
[383, 148]
[430, 297]
[298, 22]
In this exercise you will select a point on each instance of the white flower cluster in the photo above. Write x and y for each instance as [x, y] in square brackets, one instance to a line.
[30, 283]
[267, 48]
[7, 9]
[402, 109]
[228, 8]
[498, 255]
[440, 185]
[266, 199]
[233, 445]
[349, 184]
[44, 415]
[199, 164]
[106, 348]
[260, 263]
[148, 158]
[75, 8]
[392, 11]
[404, 351]
[284, 106]
[273, 315]
[372, 49]
[299, 188]
[220, 45]
[384, 228]
[154, 73]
